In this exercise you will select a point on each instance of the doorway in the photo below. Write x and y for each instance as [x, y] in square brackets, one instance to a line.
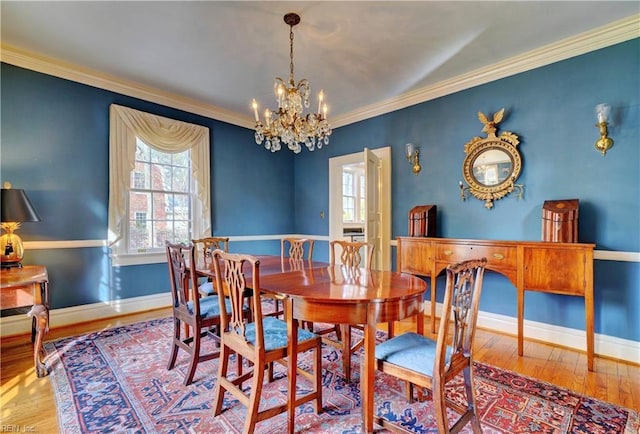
[377, 201]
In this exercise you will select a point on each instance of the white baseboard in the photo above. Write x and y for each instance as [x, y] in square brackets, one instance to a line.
[21, 324]
[607, 346]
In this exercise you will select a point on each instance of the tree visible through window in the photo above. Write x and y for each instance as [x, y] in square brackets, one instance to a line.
[159, 199]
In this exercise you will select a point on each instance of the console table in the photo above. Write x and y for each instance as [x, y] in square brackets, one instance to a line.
[27, 289]
[558, 268]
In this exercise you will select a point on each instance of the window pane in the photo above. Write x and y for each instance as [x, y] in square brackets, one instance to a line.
[163, 231]
[348, 211]
[347, 183]
[182, 159]
[160, 177]
[140, 176]
[139, 235]
[142, 151]
[139, 202]
[180, 179]
[181, 231]
[162, 209]
[181, 207]
[160, 157]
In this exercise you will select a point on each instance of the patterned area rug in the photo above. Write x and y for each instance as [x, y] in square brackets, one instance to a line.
[116, 381]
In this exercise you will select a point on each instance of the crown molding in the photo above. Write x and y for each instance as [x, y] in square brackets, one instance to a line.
[601, 37]
[57, 68]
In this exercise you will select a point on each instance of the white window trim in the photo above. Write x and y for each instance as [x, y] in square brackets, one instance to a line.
[167, 135]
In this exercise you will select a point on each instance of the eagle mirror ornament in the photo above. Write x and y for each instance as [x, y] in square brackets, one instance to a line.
[492, 165]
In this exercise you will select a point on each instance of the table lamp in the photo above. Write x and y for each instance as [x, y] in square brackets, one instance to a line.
[16, 208]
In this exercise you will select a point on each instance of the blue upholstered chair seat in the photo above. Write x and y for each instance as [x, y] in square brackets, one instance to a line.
[411, 351]
[206, 288]
[209, 307]
[275, 333]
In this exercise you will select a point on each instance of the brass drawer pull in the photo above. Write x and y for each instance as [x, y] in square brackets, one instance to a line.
[498, 255]
[448, 252]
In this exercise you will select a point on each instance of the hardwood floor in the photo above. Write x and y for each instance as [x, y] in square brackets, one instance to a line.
[28, 405]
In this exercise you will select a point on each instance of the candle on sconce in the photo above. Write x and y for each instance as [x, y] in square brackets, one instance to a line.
[320, 99]
[267, 116]
[280, 95]
[254, 104]
[324, 111]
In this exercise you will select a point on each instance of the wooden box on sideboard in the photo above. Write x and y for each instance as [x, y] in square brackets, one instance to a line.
[560, 221]
[422, 221]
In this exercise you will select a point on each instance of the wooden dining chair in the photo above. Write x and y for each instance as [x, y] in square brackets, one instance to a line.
[430, 364]
[204, 252]
[294, 248]
[353, 255]
[190, 312]
[295, 254]
[262, 342]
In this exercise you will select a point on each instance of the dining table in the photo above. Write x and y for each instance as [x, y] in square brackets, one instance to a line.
[318, 292]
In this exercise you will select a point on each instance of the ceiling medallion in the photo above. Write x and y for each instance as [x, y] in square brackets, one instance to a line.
[288, 124]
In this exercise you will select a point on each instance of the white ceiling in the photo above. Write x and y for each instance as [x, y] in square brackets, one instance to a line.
[362, 53]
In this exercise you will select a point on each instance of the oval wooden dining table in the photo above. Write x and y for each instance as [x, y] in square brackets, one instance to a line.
[339, 295]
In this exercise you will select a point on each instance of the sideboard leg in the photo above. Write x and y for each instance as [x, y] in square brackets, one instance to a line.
[40, 316]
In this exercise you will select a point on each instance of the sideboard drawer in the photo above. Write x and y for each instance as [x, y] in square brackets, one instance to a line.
[415, 256]
[500, 257]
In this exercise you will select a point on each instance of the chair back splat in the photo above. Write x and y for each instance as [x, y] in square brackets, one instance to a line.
[204, 255]
[430, 364]
[350, 254]
[262, 341]
[294, 248]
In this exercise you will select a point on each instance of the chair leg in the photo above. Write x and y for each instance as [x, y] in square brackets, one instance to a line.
[174, 345]
[222, 373]
[440, 407]
[254, 400]
[195, 356]
[471, 400]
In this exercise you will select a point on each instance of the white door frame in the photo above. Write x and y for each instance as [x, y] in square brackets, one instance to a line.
[335, 198]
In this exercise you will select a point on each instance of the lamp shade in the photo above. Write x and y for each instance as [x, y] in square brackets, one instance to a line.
[16, 207]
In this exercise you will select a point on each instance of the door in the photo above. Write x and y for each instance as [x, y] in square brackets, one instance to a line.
[373, 214]
[382, 205]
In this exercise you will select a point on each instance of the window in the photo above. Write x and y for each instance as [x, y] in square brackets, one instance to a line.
[159, 199]
[158, 185]
[353, 194]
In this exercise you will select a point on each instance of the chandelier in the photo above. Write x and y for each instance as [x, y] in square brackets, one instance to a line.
[288, 124]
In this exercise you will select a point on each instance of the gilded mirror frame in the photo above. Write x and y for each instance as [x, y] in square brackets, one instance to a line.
[505, 183]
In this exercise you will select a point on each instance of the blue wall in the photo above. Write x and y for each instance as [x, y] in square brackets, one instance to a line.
[551, 109]
[55, 146]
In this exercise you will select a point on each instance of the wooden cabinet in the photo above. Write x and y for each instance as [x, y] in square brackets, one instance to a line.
[559, 268]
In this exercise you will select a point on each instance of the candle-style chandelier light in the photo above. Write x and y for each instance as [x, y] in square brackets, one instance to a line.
[288, 124]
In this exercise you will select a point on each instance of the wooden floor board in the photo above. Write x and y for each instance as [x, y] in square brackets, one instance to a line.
[28, 402]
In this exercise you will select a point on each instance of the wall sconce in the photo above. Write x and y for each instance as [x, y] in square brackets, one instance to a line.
[413, 155]
[16, 208]
[604, 143]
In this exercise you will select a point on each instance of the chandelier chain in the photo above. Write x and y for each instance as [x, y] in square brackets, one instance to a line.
[291, 80]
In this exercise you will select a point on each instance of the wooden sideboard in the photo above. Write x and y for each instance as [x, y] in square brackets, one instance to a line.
[28, 288]
[558, 268]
